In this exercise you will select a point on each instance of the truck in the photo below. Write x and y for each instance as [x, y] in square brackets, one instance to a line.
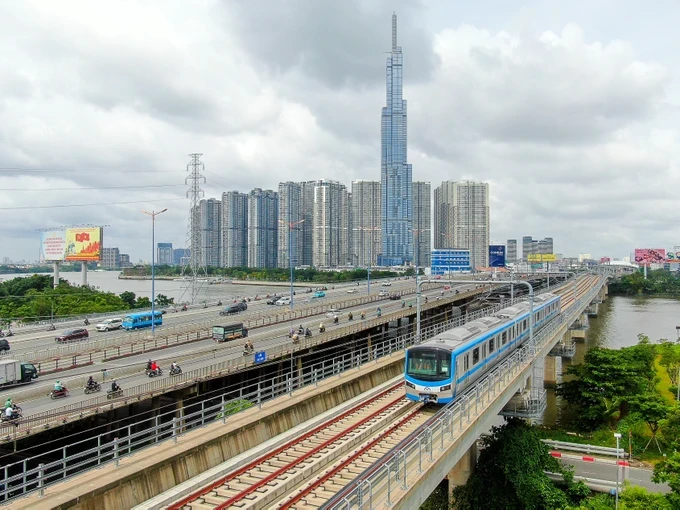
[16, 372]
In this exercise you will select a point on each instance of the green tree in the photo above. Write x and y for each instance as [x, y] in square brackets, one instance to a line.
[163, 300]
[670, 359]
[516, 460]
[668, 470]
[143, 302]
[128, 298]
[605, 380]
[652, 409]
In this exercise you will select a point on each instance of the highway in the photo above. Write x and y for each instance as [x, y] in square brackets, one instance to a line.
[603, 472]
[32, 338]
[197, 354]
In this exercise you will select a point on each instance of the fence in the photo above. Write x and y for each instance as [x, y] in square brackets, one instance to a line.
[376, 486]
[53, 466]
[586, 448]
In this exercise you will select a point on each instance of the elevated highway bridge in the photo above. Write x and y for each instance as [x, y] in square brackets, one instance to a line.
[367, 357]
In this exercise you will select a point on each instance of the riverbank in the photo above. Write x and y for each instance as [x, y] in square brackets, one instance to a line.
[219, 281]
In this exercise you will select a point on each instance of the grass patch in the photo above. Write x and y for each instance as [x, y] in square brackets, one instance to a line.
[663, 382]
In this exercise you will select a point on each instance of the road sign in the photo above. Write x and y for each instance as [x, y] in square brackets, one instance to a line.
[260, 356]
[541, 257]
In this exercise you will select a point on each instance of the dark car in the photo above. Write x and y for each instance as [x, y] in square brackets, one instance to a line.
[4, 344]
[394, 297]
[235, 308]
[72, 334]
[272, 301]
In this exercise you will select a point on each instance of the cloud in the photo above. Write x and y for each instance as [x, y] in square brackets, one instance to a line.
[562, 123]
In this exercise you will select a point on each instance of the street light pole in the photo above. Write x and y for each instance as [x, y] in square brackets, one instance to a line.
[617, 435]
[291, 225]
[153, 215]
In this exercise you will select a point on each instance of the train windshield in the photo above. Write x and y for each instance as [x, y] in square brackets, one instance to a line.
[429, 364]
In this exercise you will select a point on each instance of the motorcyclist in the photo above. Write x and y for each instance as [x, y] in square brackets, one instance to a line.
[301, 329]
[86, 322]
[149, 364]
[336, 319]
[291, 333]
[154, 366]
[308, 333]
[403, 303]
[11, 414]
[91, 383]
[363, 315]
[174, 366]
[115, 387]
[9, 402]
[248, 347]
[350, 316]
[296, 337]
[58, 386]
[322, 327]
[378, 311]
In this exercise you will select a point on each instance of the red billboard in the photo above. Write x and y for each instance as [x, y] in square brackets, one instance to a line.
[605, 260]
[646, 256]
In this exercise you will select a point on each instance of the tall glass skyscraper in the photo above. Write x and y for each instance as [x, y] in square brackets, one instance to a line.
[395, 172]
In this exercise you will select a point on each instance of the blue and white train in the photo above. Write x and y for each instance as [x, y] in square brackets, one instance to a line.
[439, 369]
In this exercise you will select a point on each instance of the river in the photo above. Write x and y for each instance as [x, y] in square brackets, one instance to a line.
[108, 281]
[620, 320]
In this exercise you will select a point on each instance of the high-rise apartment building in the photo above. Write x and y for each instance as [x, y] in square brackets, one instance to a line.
[180, 256]
[234, 229]
[263, 223]
[511, 251]
[291, 219]
[125, 260]
[330, 224]
[422, 223]
[462, 219]
[395, 172]
[164, 254]
[111, 258]
[365, 223]
[211, 232]
[532, 246]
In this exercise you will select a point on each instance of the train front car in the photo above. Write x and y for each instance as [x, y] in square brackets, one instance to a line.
[429, 373]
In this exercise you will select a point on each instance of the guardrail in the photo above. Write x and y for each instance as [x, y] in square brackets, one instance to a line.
[586, 448]
[130, 342]
[36, 472]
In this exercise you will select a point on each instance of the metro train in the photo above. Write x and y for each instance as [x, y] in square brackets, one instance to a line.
[439, 369]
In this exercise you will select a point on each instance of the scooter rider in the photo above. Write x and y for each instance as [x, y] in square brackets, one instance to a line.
[174, 366]
[149, 364]
[11, 413]
[58, 386]
[154, 366]
[9, 402]
[308, 333]
[322, 327]
[248, 347]
[91, 383]
[115, 387]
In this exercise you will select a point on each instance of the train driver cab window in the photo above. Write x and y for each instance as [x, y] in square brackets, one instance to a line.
[426, 364]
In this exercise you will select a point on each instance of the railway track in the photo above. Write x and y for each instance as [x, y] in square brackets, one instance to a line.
[263, 481]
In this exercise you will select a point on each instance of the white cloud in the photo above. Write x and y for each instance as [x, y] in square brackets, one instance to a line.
[564, 124]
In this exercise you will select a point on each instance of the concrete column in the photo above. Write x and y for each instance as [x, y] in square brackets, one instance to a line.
[461, 471]
[299, 369]
[550, 371]
[369, 345]
[179, 413]
[55, 277]
[83, 273]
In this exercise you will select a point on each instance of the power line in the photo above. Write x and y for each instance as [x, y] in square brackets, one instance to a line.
[98, 204]
[98, 188]
[71, 170]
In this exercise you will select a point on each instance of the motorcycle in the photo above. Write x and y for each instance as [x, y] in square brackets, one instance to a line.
[176, 371]
[296, 338]
[322, 329]
[248, 350]
[51, 327]
[114, 394]
[94, 388]
[54, 394]
[86, 322]
[17, 413]
[308, 334]
[154, 373]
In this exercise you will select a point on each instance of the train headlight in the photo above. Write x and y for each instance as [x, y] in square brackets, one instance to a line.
[445, 388]
[410, 385]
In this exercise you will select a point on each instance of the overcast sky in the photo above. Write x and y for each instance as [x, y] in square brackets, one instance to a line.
[568, 109]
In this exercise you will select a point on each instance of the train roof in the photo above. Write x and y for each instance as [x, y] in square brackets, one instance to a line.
[452, 338]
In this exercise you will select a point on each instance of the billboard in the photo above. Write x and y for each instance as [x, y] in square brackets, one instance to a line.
[53, 245]
[541, 257]
[73, 244]
[647, 256]
[605, 260]
[496, 255]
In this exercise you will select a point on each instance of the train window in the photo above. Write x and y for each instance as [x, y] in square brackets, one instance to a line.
[484, 351]
[504, 337]
[467, 362]
[475, 356]
[429, 364]
[492, 344]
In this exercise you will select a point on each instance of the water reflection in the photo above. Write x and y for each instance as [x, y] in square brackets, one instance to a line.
[620, 321]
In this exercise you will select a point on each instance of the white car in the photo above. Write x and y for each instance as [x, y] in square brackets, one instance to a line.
[284, 301]
[352, 291]
[110, 324]
[333, 312]
[386, 284]
[383, 293]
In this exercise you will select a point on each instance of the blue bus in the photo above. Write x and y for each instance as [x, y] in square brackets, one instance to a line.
[141, 320]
